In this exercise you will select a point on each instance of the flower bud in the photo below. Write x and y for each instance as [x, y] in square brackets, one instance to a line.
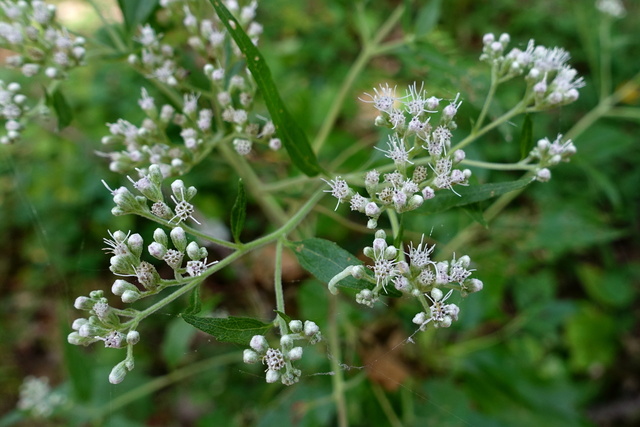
[286, 341]
[436, 294]
[179, 239]
[357, 272]
[135, 243]
[295, 353]
[118, 373]
[157, 250]
[419, 318]
[414, 202]
[83, 303]
[295, 326]
[250, 356]
[543, 175]
[130, 296]
[193, 251]
[133, 337]
[78, 323]
[272, 376]
[310, 328]
[259, 343]
[428, 193]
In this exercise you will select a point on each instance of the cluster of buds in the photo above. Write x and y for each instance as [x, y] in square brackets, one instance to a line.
[12, 110]
[551, 82]
[151, 144]
[415, 139]
[280, 360]
[103, 324]
[30, 29]
[550, 154]
[229, 100]
[419, 277]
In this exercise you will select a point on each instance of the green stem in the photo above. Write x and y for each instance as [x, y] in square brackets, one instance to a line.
[369, 49]
[605, 56]
[498, 166]
[277, 284]
[488, 99]
[393, 419]
[162, 382]
[337, 378]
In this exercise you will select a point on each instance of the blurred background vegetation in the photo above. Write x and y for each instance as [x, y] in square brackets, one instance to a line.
[553, 339]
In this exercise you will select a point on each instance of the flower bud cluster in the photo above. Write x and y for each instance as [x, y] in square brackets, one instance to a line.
[226, 107]
[550, 154]
[409, 185]
[12, 110]
[30, 29]
[551, 82]
[280, 360]
[613, 8]
[420, 276]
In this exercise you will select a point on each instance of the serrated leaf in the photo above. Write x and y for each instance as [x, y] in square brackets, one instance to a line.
[238, 212]
[238, 330]
[428, 17]
[60, 106]
[194, 302]
[526, 137]
[136, 12]
[445, 200]
[292, 136]
[324, 259]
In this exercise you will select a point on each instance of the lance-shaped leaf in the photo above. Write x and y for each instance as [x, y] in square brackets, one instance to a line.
[238, 212]
[325, 259]
[292, 136]
[445, 200]
[238, 330]
[526, 137]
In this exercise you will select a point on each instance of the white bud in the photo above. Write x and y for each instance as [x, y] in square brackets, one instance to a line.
[436, 294]
[372, 210]
[118, 373]
[286, 341]
[250, 356]
[259, 343]
[133, 337]
[295, 326]
[272, 376]
[310, 328]
[419, 318]
[428, 193]
[295, 353]
[543, 175]
[130, 296]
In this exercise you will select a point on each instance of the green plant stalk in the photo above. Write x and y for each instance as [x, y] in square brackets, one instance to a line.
[337, 379]
[277, 285]
[393, 419]
[499, 166]
[162, 382]
[489, 99]
[367, 52]
[605, 55]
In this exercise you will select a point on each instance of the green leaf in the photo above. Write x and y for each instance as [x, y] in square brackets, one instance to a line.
[238, 330]
[284, 316]
[609, 287]
[445, 200]
[58, 103]
[292, 136]
[474, 210]
[175, 345]
[324, 259]
[194, 302]
[526, 137]
[238, 212]
[136, 12]
[428, 17]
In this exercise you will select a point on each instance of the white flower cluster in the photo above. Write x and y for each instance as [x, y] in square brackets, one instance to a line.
[103, 322]
[550, 154]
[30, 29]
[203, 120]
[12, 109]
[551, 82]
[279, 361]
[419, 277]
[409, 185]
[37, 398]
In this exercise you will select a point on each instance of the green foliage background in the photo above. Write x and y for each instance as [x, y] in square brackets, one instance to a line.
[553, 339]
